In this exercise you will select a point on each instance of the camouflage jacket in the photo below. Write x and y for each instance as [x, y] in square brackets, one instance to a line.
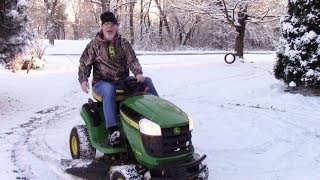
[110, 66]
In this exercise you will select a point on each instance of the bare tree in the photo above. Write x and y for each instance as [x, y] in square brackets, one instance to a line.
[163, 18]
[60, 21]
[166, 24]
[84, 21]
[141, 18]
[148, 27]
[131, 25]
[55, 20]
[38, 15]
[186, 24]
[237, 13]
[125, 12]
[146, 16]
[51, 7]
[104, 4]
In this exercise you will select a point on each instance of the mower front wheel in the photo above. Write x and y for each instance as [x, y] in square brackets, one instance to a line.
[124, 172]
[80, 146]
[204, 175]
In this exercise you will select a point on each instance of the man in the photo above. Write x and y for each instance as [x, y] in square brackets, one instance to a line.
[111, 58]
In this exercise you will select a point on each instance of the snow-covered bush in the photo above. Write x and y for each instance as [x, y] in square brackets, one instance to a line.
[14, 36]
[298, 57]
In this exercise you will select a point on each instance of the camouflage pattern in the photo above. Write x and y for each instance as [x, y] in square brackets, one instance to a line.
[106, 66]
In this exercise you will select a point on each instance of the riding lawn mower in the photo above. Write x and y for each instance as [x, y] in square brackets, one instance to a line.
[156, 141]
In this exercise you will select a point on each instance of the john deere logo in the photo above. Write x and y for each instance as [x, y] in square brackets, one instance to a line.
[176, 131]
[111, 51]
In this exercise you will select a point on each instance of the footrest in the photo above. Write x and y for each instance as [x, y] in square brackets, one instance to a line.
[87, 169]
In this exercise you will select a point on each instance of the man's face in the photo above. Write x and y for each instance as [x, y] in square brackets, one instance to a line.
[109, 30]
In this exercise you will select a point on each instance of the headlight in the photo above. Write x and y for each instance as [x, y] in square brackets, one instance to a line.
[190, 124]
[150, 128]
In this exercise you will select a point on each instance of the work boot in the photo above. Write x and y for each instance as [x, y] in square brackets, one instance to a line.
[115, 138]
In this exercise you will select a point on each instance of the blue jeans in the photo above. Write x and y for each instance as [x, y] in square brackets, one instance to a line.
[107, 90]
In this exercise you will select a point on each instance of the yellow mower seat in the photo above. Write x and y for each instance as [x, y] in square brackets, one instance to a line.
[119, 96]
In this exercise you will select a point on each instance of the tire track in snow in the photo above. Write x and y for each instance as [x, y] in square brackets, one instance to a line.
[256, 114]
[32, 144]
[20, 146]
[42, 141]
[294, 122]
[299, 134]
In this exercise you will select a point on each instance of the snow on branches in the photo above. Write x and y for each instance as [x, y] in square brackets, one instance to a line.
[14, 36]
[298, 57]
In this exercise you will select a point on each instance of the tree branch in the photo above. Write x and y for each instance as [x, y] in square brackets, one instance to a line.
[95, 2]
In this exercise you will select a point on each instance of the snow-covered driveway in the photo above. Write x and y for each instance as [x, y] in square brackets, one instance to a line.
[248, 127]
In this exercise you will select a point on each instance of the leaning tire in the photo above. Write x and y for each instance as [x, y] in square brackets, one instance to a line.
[125, 172]
[80, 146]
[229, 58]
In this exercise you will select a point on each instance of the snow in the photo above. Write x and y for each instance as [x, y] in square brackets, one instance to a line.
[292, 84]
[75, 47]
[308, 37]
[13, 13]
[292, 54]
[16, 40]
[22, 3]
[287, 27]
[129, 171]
[249, 128]
[300, 38]
[311, 16]
[318, 39]
[310, 73]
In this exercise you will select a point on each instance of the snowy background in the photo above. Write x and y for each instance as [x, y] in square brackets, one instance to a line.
[245, 123]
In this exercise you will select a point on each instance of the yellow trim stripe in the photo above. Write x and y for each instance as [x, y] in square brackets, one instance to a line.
[96, 96]
[129, 121]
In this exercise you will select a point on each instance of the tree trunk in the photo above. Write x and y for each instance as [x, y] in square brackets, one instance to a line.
[75, 30]
[131, 22]
[180, 30]
[239, 45]
[105, 5]
[240, 30]
[141, 19]
[50, 20]
[50, 32]
[160, 30]
[188, 36]
[191, 31]
[62, 32]
[165, 20]
[148, 18]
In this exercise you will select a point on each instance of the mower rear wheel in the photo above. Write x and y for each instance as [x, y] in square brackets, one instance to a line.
[124, 172]
[80, 146]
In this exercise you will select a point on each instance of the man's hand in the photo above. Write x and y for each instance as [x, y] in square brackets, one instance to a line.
[85, 86]
[140, 78]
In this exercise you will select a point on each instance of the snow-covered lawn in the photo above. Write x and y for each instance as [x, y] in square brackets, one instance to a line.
[247, 125]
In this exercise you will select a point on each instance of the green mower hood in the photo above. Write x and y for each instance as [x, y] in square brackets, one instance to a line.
[158, 110]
